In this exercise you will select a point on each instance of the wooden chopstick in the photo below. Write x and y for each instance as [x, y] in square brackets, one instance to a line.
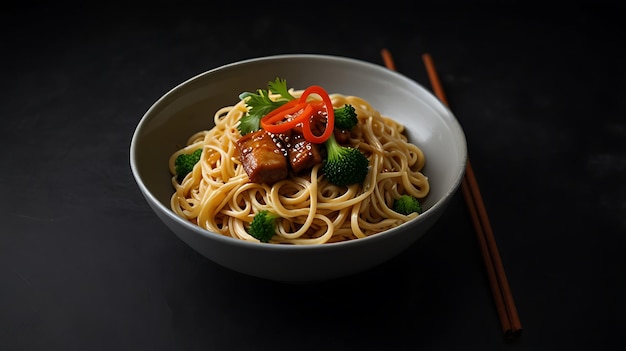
[505, 305]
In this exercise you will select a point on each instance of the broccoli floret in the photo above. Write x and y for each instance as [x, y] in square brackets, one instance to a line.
[406, 205]
[263, 226]
[184, 164]
[345, 117]
[344, 165]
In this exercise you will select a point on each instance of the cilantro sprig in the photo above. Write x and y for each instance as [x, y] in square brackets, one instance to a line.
[259, 104]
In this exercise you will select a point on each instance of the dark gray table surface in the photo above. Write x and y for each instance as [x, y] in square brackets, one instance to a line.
[540, 93]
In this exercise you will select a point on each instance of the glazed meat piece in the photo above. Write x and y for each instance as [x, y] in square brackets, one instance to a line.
[302, 154]
[262, 157]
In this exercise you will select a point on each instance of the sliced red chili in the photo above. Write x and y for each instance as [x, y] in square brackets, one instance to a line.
[330, 115]
[300, 111]
[270, 121]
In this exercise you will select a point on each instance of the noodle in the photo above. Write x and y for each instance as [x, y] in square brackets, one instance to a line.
[218, 195]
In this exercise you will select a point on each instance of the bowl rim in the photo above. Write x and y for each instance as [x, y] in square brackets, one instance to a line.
[453, 123]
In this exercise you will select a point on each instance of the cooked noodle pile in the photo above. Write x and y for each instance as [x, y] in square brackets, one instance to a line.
[218, 196]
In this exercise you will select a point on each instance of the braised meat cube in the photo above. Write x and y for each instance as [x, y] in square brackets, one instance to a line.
[263, 160]
[302, 154]
[342, 136]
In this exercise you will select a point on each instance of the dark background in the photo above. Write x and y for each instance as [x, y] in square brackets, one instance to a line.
[539, 90]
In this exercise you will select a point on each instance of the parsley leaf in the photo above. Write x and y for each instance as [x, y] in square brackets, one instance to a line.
[260, 104]
[279, 86]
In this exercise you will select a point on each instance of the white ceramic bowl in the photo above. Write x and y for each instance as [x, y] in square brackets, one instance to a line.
[188, 107]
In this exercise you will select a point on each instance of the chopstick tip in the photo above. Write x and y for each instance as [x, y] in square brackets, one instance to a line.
[388, 59]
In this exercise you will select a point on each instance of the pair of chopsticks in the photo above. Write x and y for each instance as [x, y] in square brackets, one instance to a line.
[507, 312]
